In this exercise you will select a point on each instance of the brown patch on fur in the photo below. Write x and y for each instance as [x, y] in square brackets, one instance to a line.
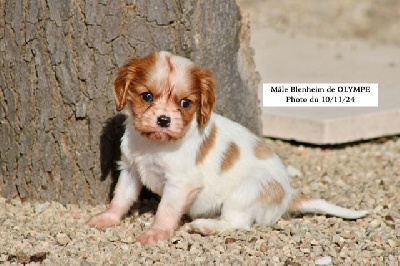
[262, 151]
[272, 194]
[231, 155]
[295, 202]
[207, 144]
[202, 81]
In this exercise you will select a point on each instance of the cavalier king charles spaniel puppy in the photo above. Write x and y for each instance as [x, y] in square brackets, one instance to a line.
[200, 163]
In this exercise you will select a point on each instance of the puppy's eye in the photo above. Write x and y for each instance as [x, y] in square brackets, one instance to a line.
[185, 103]
[147, 96]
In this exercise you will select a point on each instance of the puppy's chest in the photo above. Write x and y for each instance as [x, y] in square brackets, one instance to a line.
[156, 168]
[151, 171]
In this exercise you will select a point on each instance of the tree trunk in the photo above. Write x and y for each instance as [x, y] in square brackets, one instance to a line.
[59, 131]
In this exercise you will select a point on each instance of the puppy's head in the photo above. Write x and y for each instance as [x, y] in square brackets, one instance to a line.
[165, 93]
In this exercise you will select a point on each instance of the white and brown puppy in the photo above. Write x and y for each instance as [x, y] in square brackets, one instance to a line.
[200, 163]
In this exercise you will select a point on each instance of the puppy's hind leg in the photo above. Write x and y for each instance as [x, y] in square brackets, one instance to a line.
[126, 193]
[236, 213]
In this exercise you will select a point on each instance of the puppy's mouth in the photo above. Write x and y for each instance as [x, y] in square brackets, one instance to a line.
[160, 135]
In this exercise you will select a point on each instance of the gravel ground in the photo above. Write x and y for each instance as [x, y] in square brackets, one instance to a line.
[360, 176]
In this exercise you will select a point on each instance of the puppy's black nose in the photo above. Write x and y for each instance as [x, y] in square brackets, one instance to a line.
[163, 121]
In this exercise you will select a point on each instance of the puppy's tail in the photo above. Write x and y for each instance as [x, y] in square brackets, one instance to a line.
[300, 203]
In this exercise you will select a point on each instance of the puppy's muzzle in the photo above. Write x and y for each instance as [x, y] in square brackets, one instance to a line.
[163, 121]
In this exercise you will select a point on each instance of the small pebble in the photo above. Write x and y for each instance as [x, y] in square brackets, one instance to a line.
[392, 243]
[229, 240]
[263, 248]
[323, 261]
[40, 207]
[305, 250]
[16, 202]
[130, 238]
[62, 239]
[275, 259]
[375, 224]
[293, 171]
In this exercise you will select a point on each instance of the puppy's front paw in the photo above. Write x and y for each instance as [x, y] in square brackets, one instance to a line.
[152, 235]
[103, 220]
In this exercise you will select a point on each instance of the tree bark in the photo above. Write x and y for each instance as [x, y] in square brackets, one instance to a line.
[59, 131]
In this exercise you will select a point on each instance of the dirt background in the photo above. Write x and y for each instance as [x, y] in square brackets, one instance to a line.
[376, 21]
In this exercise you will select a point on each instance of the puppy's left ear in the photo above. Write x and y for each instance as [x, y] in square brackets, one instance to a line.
[129, 75]
[205, 83]
[121, 86]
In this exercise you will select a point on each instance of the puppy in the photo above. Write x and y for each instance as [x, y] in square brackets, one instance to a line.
[199, 162]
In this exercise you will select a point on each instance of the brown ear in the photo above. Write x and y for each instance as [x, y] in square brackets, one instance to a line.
[207, 96]
[134, 72]
[121, 86]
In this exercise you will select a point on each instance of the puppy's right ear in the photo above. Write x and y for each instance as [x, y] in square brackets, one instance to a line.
[121, 87]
